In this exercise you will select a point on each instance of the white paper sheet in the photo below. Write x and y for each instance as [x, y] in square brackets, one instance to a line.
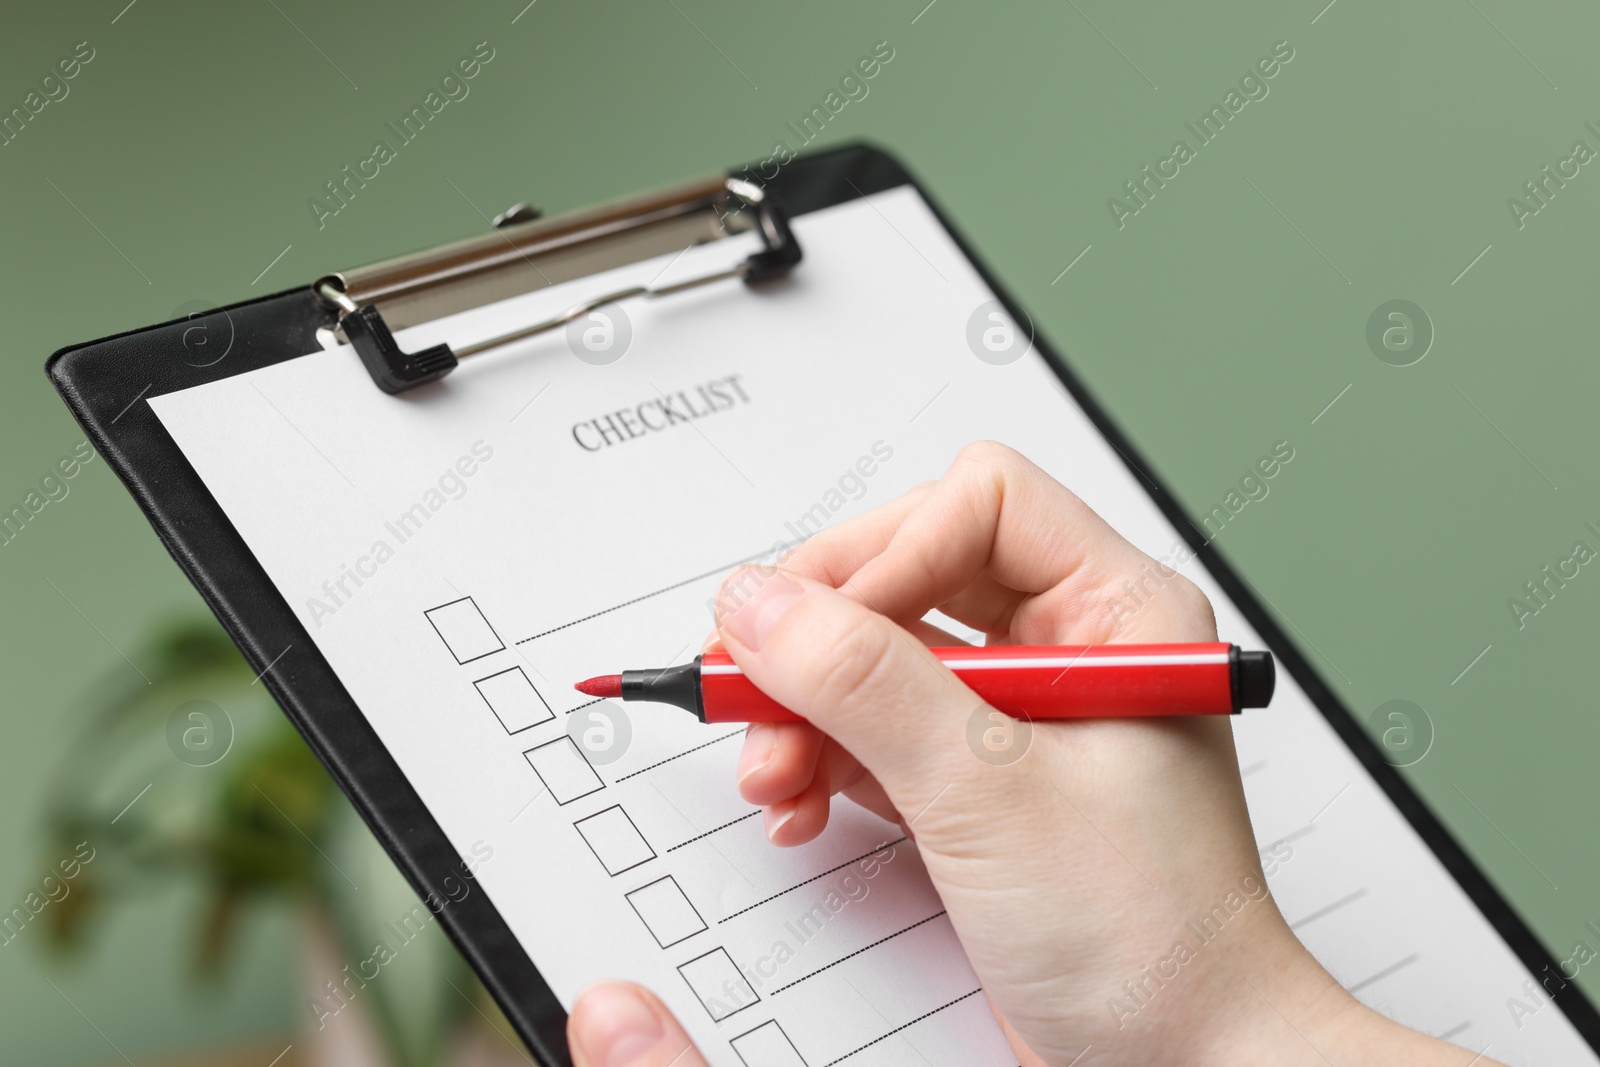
[461, 560]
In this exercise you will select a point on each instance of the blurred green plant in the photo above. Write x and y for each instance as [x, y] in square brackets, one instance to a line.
[226, 794]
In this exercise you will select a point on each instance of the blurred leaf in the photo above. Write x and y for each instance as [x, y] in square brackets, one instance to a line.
[215, 933]
[67, 920]
[272, 809]
[263, 820]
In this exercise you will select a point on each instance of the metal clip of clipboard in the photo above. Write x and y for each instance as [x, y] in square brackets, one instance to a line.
[524, 254]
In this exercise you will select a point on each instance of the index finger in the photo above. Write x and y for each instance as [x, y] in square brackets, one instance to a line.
[993, 513]
[835, 554]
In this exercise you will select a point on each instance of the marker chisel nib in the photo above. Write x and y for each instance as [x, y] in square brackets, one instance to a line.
[601, 685]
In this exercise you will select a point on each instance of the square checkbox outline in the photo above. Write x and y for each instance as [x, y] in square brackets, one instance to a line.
[733, 1042]
[428, 614]
[666, 878]
[550, 712]
[735, 966]
[599, 783]
[625, 815]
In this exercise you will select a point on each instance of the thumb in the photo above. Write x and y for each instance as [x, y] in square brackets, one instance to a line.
[619, 1024]
[855, 675]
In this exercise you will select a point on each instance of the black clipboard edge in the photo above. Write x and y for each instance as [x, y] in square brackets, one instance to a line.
[213, 555]
[399, 819]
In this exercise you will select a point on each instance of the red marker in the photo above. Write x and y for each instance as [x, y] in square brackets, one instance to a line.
[1029, 681]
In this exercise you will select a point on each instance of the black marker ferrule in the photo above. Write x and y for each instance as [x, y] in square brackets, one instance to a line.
[678, 686]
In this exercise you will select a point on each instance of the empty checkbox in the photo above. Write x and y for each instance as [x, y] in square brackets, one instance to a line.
[563, 770]
[716, 981]
[514, 700]
[464, 630]
[767, 1046]
[614, 840]
[666, 911]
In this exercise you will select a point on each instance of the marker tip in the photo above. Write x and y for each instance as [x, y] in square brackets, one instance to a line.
[601, 685]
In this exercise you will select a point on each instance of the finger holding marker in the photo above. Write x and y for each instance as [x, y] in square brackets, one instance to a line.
[780, 763]
[851, 672]
[999, 545]
[780, 760]
[793, 770]
[834, 554]
[942, 546]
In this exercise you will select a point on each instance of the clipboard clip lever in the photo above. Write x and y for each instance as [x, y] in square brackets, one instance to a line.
[394, 370]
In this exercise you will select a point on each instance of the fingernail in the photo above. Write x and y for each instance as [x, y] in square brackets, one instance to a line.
[752, 601]
[760, 739]
[616, 1027]
[778, 816]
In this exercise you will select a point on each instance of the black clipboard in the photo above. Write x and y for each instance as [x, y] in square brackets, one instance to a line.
[105, 381]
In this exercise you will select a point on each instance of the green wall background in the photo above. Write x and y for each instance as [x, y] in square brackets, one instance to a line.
[1226, 315]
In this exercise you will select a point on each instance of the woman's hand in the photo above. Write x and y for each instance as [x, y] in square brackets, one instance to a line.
[1076, 870]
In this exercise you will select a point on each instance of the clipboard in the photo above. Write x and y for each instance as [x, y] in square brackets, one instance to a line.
[102, 381]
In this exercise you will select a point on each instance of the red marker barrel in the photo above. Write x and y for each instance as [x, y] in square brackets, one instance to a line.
[1041, 682]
